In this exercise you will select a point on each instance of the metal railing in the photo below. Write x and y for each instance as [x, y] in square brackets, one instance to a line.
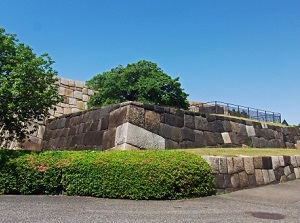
[218, 107]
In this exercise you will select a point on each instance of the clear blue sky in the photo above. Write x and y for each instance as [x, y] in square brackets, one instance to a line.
[240, 51]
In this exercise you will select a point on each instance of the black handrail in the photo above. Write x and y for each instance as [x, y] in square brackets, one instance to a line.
[219, 107]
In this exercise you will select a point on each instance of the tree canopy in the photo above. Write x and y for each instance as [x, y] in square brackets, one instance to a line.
[27, 87]
[143, 81]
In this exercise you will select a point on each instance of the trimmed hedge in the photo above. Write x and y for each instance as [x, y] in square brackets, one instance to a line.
[116, 174]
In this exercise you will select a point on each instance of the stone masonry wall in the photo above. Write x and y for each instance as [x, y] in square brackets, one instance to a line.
[75, 97]
[245, 171]
[132, 125]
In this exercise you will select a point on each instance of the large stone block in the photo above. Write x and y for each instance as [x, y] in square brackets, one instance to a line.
[294, 161]
[189, 121]
[188, 134]
[267, 162]
[230, 165]
[266, 177]
[272, 176]
[152, 121]
[170, 144]
[119, 116]
[249, 165]
[213, 161]
[201, 123]
[243, 179]
[138, 137]
[226, 137]
[238, 164]
[258, 163]
[223, 165]
[235, 180]
[109, 137]
[173, 120]
[199, 139]
[227, 126]
[259, 177]
[250, 131]
[210, 139]
[275, 162]
[136, 116]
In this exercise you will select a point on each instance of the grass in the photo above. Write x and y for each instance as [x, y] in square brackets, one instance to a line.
[242, 152]
[251, 120]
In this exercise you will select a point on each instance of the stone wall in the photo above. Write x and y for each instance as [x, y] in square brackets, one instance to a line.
[75, 95]
[245, 171]
[134, 125]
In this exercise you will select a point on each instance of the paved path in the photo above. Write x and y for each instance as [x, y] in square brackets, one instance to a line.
[273, 203]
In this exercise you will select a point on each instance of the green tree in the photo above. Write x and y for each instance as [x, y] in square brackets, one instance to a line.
[27, 88]
[143, 81]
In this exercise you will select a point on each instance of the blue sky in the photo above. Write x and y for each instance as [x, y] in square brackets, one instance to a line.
[244, 52]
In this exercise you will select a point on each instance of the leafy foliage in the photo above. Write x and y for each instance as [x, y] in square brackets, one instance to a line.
[27, 87]
[242, 113]
[143, 81]
[117, 174]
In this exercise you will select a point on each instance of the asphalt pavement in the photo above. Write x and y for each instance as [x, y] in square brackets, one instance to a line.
[272, 203]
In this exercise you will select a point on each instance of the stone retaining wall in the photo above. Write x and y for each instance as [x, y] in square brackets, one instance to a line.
[134, 125]
[75, 95]
[245, 171]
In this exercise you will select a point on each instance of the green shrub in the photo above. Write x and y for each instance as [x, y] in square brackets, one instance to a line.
[114, 174]
[8, 182]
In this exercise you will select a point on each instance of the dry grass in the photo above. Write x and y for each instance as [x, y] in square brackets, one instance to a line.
[251, 120]
[242, 152]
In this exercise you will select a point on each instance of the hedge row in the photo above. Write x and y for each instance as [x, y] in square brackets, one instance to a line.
[115, 174]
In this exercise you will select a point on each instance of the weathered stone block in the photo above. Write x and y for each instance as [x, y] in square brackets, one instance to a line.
[213, 161]
[298, 159]
[165, 131]
[226, 137]
[173, 120]
[287, 170]
[249, 165]
[294, 161]
[187, 144]
[243, 179]
[201, 123]
[170, 144]
[210, 139]
[188, 134]
[93, 138]
[235, 180]
[266, 177]
[152, 121]
[199, 139]
[223, 165]
[136, 116]
[272, 176]
[259, 178]
[219, 138]
[287, 160]
[297, 172]
[234, 138]
[119, 116]
[72, 101]
[230, 165]
[292, 176]
[251, 180]
[138, 137]
[189, 121]
[227, 126]
[80, 105]
[109, 138]
[258, 164]
[250, 131]
[238, 164]
[267, 162]
[275, 162]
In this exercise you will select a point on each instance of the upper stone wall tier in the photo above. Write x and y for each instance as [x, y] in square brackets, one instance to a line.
[75, 95]
[135, 125]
